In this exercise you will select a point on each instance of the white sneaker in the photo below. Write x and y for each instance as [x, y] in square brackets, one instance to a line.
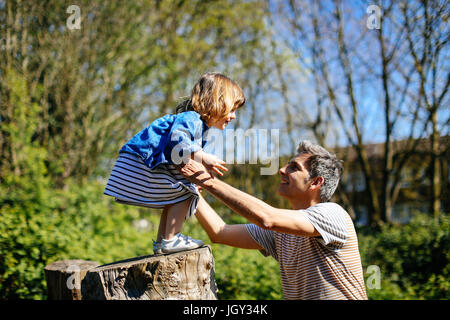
[180, 242]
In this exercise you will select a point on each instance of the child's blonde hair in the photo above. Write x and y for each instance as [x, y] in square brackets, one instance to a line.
[213, 97]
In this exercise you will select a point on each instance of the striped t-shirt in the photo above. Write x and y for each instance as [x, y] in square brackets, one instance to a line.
[313, 268]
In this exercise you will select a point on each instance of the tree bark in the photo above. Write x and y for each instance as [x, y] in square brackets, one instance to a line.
[186, 275]
[64, 278]
[435, 168]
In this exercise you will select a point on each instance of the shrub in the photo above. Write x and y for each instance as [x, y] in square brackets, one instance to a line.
[413, 258]
[74, 224]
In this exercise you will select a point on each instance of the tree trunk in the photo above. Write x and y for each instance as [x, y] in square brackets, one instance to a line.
[185, 275]
[435, 168]
[64, 278]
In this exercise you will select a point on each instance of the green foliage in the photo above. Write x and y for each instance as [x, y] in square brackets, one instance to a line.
[244, 274]
[72, 224]
[130, 62]
[413, 258]
[24, 187]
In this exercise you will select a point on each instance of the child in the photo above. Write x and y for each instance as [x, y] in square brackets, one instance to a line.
[145, 175]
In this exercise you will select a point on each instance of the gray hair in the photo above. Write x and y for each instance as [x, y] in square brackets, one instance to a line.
[322, 163]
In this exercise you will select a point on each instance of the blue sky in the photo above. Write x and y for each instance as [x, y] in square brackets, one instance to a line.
[367, 84]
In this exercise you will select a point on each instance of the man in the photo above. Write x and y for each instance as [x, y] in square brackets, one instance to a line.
[315, 243]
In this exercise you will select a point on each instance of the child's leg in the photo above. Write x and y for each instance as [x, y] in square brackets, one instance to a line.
[173, 240]
[162, 225]
[176, 213]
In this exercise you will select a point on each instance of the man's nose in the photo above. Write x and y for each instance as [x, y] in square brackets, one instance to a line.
[282, 171]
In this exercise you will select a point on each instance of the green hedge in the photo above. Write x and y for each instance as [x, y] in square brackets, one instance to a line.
[413, 258]
[72, 224]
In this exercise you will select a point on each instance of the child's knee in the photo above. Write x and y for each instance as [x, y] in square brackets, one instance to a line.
[180, 207]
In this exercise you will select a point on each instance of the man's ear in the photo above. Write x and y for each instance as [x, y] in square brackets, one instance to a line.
[317, 182]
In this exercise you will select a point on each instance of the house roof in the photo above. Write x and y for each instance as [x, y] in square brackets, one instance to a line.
[376, 150]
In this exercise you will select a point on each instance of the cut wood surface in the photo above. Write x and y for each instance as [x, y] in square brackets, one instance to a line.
[64, 278]
[185, 275]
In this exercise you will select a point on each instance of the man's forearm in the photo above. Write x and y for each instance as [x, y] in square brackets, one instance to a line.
[249, 207]
[235, 235]
[209, 219]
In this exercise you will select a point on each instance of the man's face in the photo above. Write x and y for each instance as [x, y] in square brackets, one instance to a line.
[294, 178]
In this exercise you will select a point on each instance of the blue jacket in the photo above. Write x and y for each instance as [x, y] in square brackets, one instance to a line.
[174, 134]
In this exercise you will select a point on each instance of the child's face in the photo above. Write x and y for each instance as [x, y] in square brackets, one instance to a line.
[222, 123]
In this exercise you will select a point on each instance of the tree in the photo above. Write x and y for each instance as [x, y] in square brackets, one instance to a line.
[359, 75]
[427, 37]
[129, 62]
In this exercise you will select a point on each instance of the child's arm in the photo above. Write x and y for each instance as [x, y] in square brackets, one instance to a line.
[210, 161]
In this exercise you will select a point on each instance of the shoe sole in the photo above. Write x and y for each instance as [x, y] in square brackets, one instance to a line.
[179, 250]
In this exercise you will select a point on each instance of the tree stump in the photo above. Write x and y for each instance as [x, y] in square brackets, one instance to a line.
[64, 278]
[185, 275]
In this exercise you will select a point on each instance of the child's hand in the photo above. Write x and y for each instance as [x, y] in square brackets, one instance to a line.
[213, 163]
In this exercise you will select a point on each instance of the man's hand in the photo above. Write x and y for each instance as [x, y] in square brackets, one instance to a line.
[195, 172]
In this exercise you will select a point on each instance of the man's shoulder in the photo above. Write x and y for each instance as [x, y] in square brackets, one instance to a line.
[333, 223]
[328, 210]
[330, 207]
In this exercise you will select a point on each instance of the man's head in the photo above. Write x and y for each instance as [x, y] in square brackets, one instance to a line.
[312, 174]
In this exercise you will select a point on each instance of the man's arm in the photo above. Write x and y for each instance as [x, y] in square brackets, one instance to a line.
[251, 208]
[219, 232]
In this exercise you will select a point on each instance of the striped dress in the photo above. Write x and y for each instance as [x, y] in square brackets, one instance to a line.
[317, 268]
[134, 183]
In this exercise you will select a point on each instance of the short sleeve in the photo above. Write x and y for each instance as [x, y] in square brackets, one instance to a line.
[185, 136]
[264, 238]
[330, 220]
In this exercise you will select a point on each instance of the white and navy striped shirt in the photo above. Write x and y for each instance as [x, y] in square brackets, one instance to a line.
[313, 268]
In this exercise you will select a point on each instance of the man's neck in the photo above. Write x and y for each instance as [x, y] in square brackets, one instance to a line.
[298, 205]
